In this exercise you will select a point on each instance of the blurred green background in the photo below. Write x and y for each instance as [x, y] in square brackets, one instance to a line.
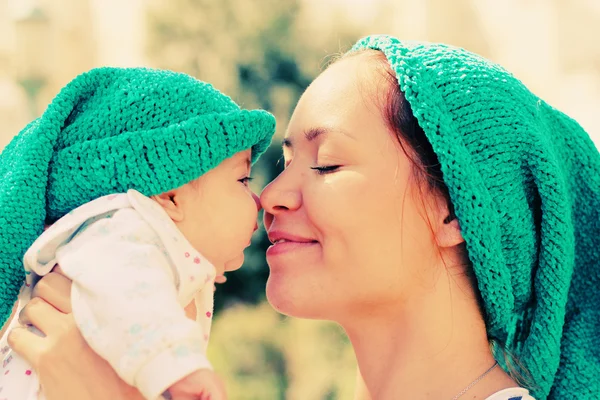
[264, 53]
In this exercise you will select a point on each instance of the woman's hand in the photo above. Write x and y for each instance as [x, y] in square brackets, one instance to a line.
[67, 367]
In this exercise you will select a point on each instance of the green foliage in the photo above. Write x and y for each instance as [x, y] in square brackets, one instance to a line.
[262, 355]
[245, 47]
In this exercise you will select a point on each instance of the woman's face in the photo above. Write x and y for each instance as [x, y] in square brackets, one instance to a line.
[350, 229]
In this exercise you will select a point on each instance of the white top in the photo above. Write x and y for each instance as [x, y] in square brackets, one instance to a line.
[511, 394]
[133, 273]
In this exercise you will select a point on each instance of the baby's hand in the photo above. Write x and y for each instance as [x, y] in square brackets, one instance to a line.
[203, 384]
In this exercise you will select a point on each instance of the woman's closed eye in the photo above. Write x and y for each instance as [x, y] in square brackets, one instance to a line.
[326, 169]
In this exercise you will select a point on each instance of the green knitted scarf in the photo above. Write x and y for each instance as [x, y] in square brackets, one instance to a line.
[107, 131]
[524, 179]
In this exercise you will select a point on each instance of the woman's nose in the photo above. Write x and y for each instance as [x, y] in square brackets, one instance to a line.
[280, 196]
[277, 198]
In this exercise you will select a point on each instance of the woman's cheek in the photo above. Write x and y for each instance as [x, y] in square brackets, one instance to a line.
[339, 196]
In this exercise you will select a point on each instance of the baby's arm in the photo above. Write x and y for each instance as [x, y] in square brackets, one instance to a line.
[125, 303]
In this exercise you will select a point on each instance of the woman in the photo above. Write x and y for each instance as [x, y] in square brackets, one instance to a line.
[440, 212]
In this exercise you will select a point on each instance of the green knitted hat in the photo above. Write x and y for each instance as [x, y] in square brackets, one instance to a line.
[107, 131]
[524, 179]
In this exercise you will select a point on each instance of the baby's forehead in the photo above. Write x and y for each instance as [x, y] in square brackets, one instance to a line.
[242, 158]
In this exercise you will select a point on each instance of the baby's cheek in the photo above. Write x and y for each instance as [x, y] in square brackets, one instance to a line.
[247, 216]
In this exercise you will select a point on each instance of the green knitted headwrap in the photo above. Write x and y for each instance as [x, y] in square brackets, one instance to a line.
[524, 179]
[107, 131]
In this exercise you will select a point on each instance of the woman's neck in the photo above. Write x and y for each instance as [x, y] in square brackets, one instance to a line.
[430, 347]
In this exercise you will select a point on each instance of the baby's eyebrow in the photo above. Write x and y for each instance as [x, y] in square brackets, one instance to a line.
[245, 162]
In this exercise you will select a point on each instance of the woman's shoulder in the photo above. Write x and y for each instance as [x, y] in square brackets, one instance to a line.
[511, 394]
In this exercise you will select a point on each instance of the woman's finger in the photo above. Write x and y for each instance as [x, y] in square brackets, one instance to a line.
[43, 316]
[26, 344]
[220, 393]
[55, 289]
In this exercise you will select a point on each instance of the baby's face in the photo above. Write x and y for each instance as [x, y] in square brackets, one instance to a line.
[219, 212]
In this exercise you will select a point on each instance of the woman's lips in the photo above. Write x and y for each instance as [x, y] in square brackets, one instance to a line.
[285, 247]
[284, 242]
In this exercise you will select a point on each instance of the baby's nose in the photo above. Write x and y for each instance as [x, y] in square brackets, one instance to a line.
[257, 201]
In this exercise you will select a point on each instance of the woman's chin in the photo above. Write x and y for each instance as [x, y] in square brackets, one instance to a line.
[290, 300]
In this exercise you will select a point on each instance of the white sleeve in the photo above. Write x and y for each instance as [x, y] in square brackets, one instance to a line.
[125, 303]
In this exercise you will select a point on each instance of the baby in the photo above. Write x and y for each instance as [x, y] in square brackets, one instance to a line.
[143, 175]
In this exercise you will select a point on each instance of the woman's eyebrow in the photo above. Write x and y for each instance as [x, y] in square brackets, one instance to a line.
[313, 133]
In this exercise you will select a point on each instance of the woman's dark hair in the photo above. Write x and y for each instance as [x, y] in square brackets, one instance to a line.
[427, 172]
[400, 120]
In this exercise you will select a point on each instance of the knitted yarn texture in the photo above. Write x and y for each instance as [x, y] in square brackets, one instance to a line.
[524, 179]
[107, 131]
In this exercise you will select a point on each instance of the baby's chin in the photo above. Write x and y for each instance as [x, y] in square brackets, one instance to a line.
[235, 263]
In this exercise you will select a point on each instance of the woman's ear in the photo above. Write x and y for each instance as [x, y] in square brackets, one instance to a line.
[448, 233]
[171, 202]
[447, 230]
